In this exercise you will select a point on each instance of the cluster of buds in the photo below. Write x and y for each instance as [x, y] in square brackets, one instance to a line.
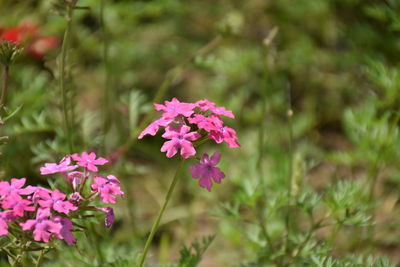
[50, 214]
[27, 35]
[188, 124]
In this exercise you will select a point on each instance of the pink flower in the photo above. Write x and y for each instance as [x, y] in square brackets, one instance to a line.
[65, 232]
[206, 170]
[55, 200]
[108, 188]
[89, 161]
[205, 105]
[180, 139]
[175, 108]
[153, 128]
[15, 188]
[5, 216]
[18, 205]
[42, 227]
[226, 134]
[207, 123]
[75, 178]
[64, 166]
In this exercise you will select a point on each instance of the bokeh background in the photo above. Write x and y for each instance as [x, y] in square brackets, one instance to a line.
[334, 63]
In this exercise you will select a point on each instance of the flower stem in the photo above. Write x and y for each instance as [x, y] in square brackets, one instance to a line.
[6, 75]
[107, 93]
[161, 212]
[61, 80]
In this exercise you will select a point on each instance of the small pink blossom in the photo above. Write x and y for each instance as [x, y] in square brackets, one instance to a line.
[108, 188]
[206, 170]
[207, 123]
[226, 134]
[65, 232]
[89, 161]
[62, 167]
[55, 200]
[14, 188]
[43, 228]
[153, 128]
[109, 219]
[5, 216]
[18, 205]
[180, 139]
[175, 108]
[206, 105]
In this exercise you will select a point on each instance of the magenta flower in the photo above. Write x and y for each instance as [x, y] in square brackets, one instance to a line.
[175, 108]
[14, 188]
[5, 216]
[226, 134]
[153, 128]
[55, 200]
[206, 170]
[17, 204]
[180, 139]
[206, 105]
[62, 167]
[89, 161]
[42, 227]
[207, 123]
[109, 220]
[65, 232]
[108, 188]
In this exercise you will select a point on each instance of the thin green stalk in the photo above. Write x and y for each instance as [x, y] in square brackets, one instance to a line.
[161, 212]
[6, 75]
[61, 80]
[107, 93]
[290, 171]
[39, 260]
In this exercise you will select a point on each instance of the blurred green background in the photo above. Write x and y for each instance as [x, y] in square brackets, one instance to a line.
[334, 63]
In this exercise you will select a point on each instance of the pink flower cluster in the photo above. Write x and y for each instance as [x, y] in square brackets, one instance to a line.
[185, 123]
[49, 214]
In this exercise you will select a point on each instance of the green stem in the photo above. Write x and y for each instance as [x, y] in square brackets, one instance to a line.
[61, 70]
[161, 212]
[290, 171]
[107, 93]
[39, 260]
[6, 75]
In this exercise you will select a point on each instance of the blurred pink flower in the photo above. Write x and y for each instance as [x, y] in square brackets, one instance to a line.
[180, 139]
[89, 161]
[62, 167]
[65, 232]
[18, 205]
[108, 188]
[55, 200]
[42, 227]
[206, 170]
[153, 128]
[174, 108]
[207, 123]
[226, 134]
[206, 105]
[14, 188]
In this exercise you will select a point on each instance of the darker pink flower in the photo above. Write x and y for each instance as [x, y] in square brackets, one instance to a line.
[206, 170]
[55, 200]
[175, 108]
[207, 123]
[226, 134]
[180, 139]
[108, 188]
[206, 105]
[65, 232]
[89, 161]
[43, 228]
[62, 167]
